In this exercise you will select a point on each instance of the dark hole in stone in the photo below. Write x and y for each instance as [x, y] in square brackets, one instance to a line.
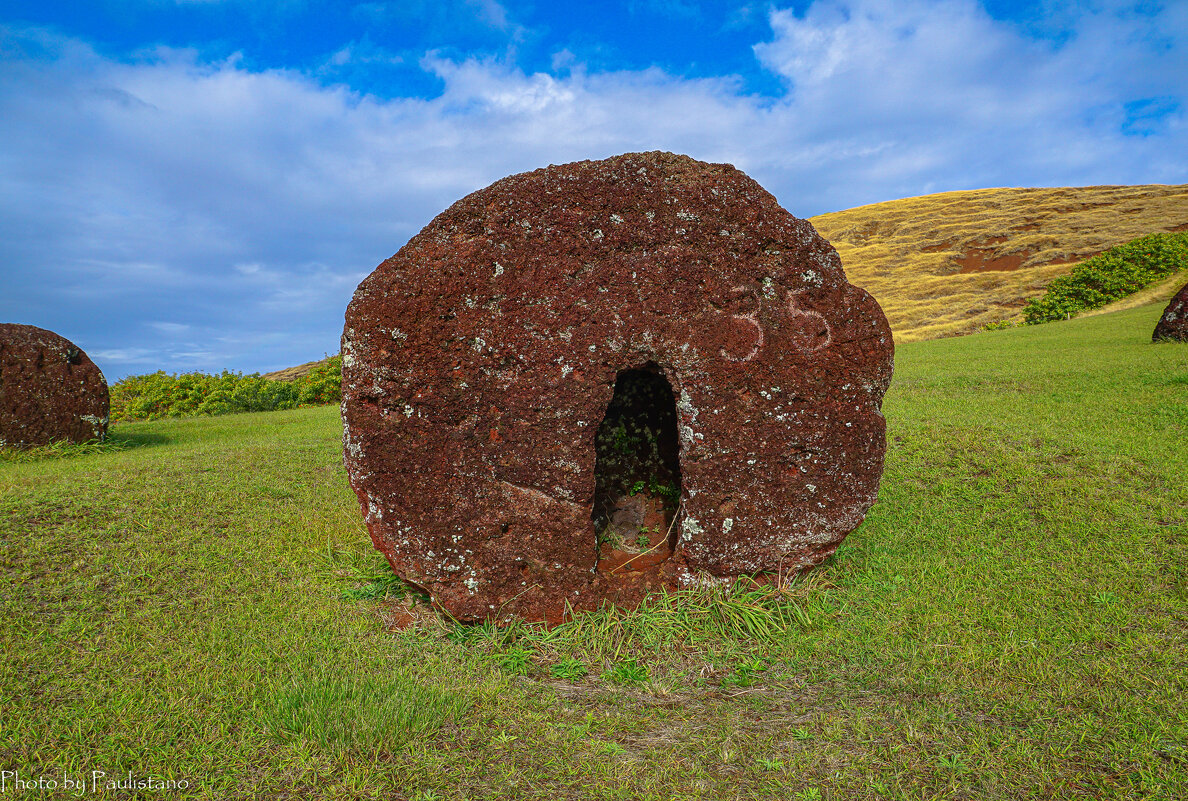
[637, 473]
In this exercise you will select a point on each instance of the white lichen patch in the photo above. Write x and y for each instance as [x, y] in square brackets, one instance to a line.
[498, 269]
[616, 219]
[727, 524]
[686, 418]
[704, 581]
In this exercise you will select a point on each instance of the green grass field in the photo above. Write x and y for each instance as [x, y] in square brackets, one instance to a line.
[198, 602]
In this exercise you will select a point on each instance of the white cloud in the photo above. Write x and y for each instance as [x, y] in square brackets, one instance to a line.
[491, 12]
[225, 199]
[940, 90]
[169, 328]
[358, 53]
[124, 356]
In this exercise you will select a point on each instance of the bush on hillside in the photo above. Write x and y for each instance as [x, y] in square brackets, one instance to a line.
[1108, 276]
[160, 394]
[321, 385]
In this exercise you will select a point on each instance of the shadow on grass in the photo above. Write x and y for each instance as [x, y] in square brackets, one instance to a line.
[123, 441]
[116, 441]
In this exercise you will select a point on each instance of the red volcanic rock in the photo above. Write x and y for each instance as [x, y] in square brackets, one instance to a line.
[590, 381]
[1173, 324]
[49, 389]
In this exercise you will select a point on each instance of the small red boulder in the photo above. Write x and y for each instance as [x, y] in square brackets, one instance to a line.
[49, 390]
[1173, 325]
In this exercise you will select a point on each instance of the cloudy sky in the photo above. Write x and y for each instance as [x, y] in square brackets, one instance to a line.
[200, 184]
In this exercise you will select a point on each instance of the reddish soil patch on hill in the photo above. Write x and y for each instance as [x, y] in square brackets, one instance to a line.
[984, 261]
[984, 257]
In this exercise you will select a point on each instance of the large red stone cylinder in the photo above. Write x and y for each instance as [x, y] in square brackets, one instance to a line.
[480, 361]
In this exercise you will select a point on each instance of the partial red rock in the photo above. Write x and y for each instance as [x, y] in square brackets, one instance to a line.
[590, 381]
[1173, 325]
[49, 390]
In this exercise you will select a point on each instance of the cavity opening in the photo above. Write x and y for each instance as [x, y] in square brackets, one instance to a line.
[637, 473]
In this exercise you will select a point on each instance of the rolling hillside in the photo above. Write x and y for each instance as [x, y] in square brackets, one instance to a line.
[293, 373]
[948, 264]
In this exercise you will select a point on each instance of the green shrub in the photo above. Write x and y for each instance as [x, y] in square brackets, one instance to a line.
[1108, 276]
[322, 385]
[161, 394]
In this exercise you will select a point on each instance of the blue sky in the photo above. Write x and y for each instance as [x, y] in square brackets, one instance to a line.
[200, 184]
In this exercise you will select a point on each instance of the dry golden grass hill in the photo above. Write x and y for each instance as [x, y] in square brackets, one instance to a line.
[948, 264]
[293, 373]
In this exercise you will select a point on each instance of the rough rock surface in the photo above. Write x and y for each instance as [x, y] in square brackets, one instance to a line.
[49, 390]
[1173, 324]
[481, 361]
